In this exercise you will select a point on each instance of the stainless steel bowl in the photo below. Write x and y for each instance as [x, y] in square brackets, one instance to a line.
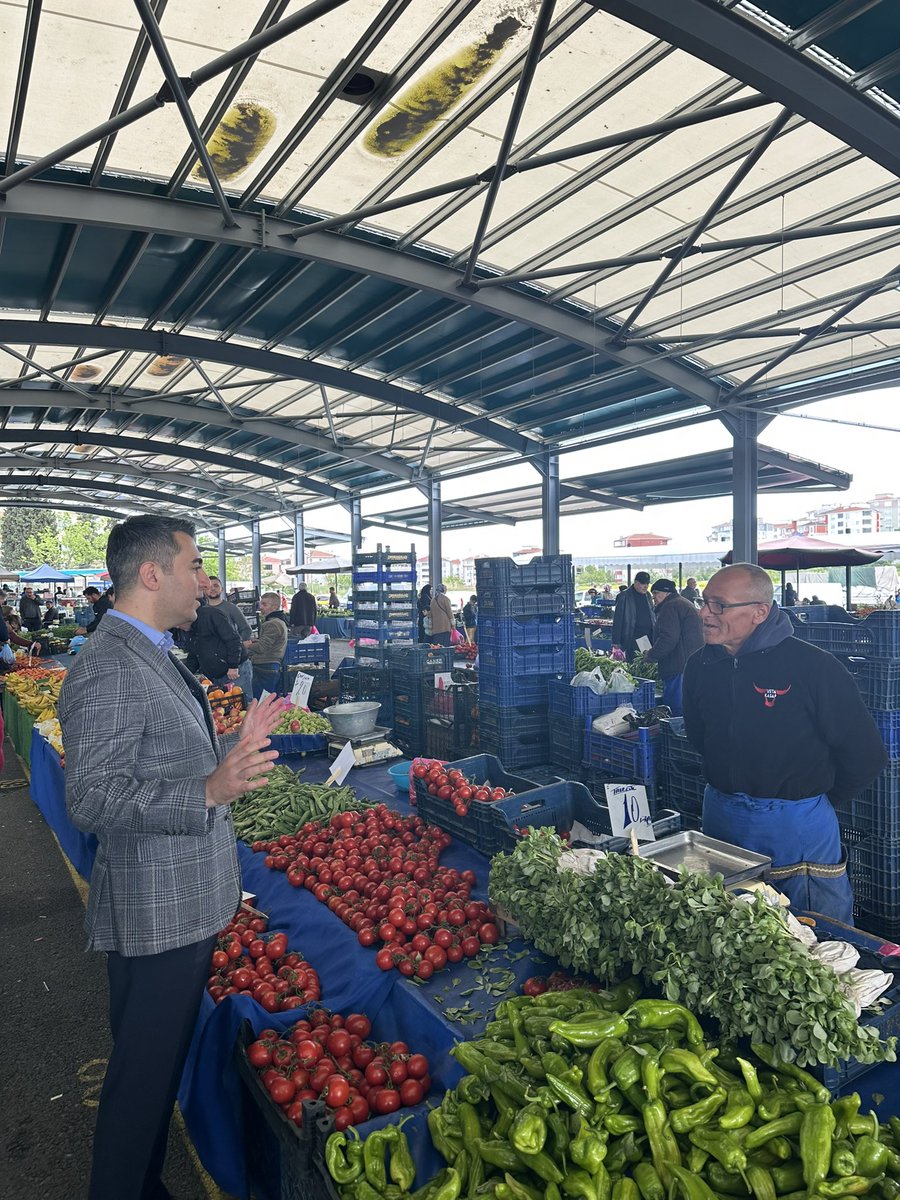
[350, 720]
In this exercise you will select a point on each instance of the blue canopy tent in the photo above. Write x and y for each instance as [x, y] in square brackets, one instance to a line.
[45, 574]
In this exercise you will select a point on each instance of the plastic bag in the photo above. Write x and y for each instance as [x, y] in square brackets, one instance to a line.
[456, 638]
[613, 723]
[7, 654]
[590, 679]
[621, 681]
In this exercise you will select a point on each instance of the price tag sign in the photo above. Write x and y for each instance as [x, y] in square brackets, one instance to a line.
[300, 690]
[629, 811]
[643, 644]
[340, 768]
[443, 680]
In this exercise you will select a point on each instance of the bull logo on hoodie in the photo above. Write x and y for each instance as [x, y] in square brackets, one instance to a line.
[771, 694]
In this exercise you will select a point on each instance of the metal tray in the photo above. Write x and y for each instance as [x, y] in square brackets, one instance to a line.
[697, 852]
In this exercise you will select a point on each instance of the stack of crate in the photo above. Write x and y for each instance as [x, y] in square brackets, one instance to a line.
[680, 773]
[412, 679]
[571, 712]
[361, 683]
[384, 603]
[526, 638]
[451, 717]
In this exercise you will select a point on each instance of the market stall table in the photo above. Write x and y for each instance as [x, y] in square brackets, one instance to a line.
[19, 725]
[336, 627]
[48, 791]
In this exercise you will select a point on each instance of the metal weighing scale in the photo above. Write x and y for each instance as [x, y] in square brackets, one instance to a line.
[368, 748]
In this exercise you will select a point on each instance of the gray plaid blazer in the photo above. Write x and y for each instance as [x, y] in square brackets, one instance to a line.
[138, 750]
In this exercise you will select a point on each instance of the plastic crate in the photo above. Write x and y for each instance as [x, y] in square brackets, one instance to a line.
[307, 652]
[501, 632]
[567, 736]
[410, 696]
[411, 729]
[683, 792]
[509, 692]
[526, 720]
[541, 774]
[632, 756]
[836, 638]
[885, 927]
[544, 570]
[410, 744]
[514, 748]
[874, 867]
[458, 704]
[676, 749]
[875, 811]
[493, 601]
[364, 681]
[279, 1157]
[889, 727]
[419, 659]
[887, 1022]
[568, 701]
[596, 781]
[811, 612]
[474, 827]
[526, 660]
[442, 740]
[289, 744]
[878, 680]
[883, 627]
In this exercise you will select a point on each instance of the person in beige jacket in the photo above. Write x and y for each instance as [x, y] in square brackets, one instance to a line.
[441, 616]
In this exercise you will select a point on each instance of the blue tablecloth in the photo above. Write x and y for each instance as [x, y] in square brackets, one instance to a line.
[48, 791]
[336, 627]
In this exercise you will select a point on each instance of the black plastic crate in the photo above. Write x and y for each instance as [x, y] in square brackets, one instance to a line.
[515, 749]
[359, 680]
[524, 720]
[410, 744]
[457, 703]
[442, 740]
[501, 602]
[874, 867]
[474, 828]
[883, 627]
[567, 736]
[596, 781]
[683, 792]
[878, 680]
[541, 774]
[409, 692]
[875, 812]
[411, 728]
[674, 748]
[418, 659]
[885, 927]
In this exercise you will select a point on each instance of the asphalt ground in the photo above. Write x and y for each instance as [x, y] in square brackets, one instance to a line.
[53, 1013]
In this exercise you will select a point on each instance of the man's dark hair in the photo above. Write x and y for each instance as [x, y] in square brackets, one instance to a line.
[642, 577]
[214, 579]
[91, 591]
[142, 539]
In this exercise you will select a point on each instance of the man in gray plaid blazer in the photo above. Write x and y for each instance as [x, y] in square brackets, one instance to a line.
[146, 773]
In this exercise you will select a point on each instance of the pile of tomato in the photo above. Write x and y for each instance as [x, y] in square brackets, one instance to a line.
[327, 1057]
[559, 981]
[453, 786]
[247, 963]
[379, 873]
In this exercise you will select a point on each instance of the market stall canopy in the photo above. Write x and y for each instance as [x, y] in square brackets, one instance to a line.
[798, 553]
[45, 574]
[325, 566]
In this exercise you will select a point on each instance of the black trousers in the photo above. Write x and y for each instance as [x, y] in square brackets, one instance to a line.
[153, 1005]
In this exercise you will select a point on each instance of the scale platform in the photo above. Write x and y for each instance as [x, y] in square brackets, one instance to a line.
[368, 748]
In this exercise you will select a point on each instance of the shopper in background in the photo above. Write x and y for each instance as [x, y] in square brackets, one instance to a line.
[679, 633]
[634, 617]
[333, 600]
[216, 597]
[100, 605]
[219, 651]
[790, 596]
[50, 614]
[271, 644]
[784, 735]
[146, 773]
[691, 592]
[30, 610]
[441, 616]
[303, 612]
[470, 618]
[424, 610]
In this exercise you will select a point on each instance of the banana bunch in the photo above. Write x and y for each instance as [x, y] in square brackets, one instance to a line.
[49, 728]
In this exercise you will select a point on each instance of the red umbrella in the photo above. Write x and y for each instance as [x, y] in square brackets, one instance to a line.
[798, 553]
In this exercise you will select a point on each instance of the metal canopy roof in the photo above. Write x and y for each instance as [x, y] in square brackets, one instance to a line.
[256, 257]
[698, 477]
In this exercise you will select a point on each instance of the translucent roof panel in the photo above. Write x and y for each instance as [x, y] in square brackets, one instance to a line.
[301, 251]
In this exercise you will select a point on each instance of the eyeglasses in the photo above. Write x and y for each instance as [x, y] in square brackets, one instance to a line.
[717, 607]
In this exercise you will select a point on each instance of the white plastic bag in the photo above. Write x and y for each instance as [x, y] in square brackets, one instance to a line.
[7, 654]
[614, 723]
[591, 679]
[621, 681]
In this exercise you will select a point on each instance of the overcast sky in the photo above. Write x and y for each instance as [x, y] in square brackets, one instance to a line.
[871, 456]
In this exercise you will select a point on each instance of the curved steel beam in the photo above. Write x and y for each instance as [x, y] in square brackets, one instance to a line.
[710, 32]
[129, 212]
[75, 508]
[216, 512]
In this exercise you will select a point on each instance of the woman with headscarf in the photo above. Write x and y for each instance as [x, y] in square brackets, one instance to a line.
[423, 607]
[441, 616]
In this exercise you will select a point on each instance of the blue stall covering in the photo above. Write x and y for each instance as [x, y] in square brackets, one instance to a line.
[48, 791]
[336, 627]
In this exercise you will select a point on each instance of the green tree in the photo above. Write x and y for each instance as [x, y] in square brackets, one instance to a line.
[589, 576]
[455, 582]
[237, 570]
[72, 541]
[19, 526]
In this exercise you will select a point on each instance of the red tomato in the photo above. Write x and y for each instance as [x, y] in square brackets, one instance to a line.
[489, 933]
[259, 1054]
[282, 1090]
[242, 978]
[384, 959]
[384, 1101]
[436, 956]
[336, 1091]
[359, 1024]
[443, 938]
[470, 946]
[219, 960]
[397, 1071]
[376, 1075]
[411, 1092]
[417, 1066]
[338, 1043]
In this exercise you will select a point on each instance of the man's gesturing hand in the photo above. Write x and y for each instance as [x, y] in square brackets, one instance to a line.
[243, 769]
[261, 718]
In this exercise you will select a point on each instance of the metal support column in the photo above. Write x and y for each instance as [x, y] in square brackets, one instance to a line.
[223, 561]
[745, 428]
[353, 507]
[548, 466]
[435, 519]
[848, 583]
[256, 555]
[299, 539]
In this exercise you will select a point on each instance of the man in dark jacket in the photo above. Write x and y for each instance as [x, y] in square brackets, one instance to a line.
[303, 612]
[218, 649]
[679, 632]
[634, 617]
[783, 733]
[30, 610]
[100, 605]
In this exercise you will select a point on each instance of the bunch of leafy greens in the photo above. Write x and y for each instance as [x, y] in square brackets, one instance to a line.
[734, 960]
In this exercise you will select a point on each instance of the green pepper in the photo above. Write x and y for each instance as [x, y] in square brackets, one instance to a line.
[499, 1051]
[342, 1166]
[469, 1058]
[625, 1189]
[402, 1168]
[602, 1183]
[889, 1189]
[570, 1094]
[683, 1120]
[872, 1157]
[373, 1156]
[692, 1187]
[852, 1185]
[626, 1073]
[663, 1146]
[443, 1142]
[664, 1014]
[724, 1181]
[618, 1124]
[769, 1056]
[471, 1089]
[843, 1159]
[552, 1192]
[777, 1104]
[739, 1110]
[845, 1109]
[506, 1107]
[543, 1166]
[816, 1134]
[559, 1130]
[580, 1185]
[469, 1124]
[647, 1178]
[363, 1190]
[587, 1149]
[763, 1157]
[529, 1129]
[499, 1154]
[450, 1188]
[696, 1159]
[651, 1076]
[865, 1124]
[761, 1183]
[604, 1054]
[554, 1064]
[624, 994]
[751, 1079]
[689, 1065]
[591, 1033]
[780, 1148]
[784, 1127]
[533, 1067]
[788, 1178]
[520, 1041]
[503, 1075]
[674, 1094]
[723, 1146]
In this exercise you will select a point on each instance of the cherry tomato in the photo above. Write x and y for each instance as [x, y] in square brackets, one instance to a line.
[411, 1092]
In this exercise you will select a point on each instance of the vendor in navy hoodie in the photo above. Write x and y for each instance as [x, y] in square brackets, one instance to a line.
[784, 735]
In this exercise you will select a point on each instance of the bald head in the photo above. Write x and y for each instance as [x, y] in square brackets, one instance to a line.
[752, 581]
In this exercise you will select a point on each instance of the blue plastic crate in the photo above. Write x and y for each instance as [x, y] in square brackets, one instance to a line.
[889, 727]
[514, 748]
[836, 638]
[875, 811]
[681, 791]
[567, 735]
[811, 612]
[307, 652]
[541, 774]
[883, 627]
[526, 660]
[480, 769]
[528, 720]
[506, 691]
[568, 701]
[874, 867]
[878, 680]
[290, 744]
[674, 748]
[887, 1022]
[632, 756]
[596, 781]
[501, 602]
[544, 570]
[499, 633]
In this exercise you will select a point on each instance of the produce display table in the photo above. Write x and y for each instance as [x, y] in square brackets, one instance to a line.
[336, 627]
[19, 725]
[48, 790]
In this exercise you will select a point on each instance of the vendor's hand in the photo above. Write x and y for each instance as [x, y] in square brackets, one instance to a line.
[232, 673]
[261, 718]
[243, 769]
[34, 648]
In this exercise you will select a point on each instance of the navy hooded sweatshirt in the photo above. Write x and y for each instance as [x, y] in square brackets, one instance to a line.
[781, 720]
